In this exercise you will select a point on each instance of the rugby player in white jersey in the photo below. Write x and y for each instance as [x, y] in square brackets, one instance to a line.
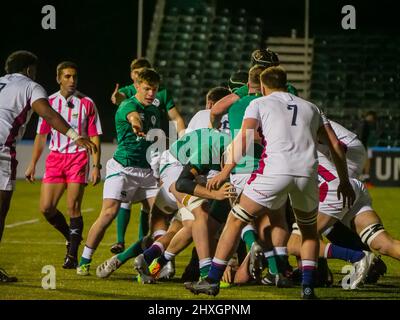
[20, 95]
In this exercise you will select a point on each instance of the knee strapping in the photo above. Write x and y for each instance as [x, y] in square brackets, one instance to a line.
[242, 214]
[369, 233]
[192, 202]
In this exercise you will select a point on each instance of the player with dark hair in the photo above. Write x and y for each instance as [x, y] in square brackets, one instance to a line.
[20, 95]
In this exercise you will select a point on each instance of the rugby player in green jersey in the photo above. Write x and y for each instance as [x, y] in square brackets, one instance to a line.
[129, 176]
[168, 110]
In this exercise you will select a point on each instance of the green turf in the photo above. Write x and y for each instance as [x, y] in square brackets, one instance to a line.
[27, 248]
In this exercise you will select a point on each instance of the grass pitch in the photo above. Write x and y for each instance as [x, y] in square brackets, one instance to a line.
[30, 243]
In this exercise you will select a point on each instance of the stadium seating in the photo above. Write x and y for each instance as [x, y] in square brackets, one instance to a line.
[353, 74]
[198, 50]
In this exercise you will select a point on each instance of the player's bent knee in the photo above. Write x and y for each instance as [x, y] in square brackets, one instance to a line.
[369, 233]
[239, 213]
[48, 211]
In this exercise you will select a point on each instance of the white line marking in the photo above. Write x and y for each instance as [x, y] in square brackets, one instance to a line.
[88, 210]
[21, 223]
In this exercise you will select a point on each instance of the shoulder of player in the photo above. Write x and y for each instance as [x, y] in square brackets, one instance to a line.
[83, 97]
[130, 105]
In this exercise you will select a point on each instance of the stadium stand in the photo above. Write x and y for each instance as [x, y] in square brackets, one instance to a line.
[199, 47]
[353, 74]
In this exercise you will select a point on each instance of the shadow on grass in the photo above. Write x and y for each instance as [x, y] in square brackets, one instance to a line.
[91, 295]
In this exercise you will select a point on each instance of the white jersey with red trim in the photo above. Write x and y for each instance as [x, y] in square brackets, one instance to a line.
[356, 155]
[329, 204]
[17, 93]
[81, 114]
[288, 127]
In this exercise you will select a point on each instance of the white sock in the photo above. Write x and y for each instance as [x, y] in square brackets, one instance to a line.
[169, 255]
[88, 253]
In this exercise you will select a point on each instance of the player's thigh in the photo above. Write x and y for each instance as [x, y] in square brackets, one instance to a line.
[147, 190]
[303, 194]
[50, 194]
[109, 210]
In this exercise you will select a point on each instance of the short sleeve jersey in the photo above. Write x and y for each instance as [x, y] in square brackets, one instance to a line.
[201, 148]
[17, 94]
[288, 126]
[81, 114]
[131, 149]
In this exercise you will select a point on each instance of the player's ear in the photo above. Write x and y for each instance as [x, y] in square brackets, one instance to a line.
[31, 72]
[263, 92]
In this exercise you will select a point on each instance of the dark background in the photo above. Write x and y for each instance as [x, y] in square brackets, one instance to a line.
[101, 36]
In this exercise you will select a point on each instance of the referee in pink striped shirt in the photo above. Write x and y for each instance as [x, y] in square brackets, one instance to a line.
[67, 165]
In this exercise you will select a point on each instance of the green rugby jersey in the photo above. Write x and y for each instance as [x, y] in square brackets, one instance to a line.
[163, 101]
[244, 90]
[249, 162]
[202, 148]
[131, 149]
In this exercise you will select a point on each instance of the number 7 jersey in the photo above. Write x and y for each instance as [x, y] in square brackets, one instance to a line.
[288, 126]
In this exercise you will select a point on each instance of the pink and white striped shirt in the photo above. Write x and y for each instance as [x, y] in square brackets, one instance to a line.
[81, 114]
